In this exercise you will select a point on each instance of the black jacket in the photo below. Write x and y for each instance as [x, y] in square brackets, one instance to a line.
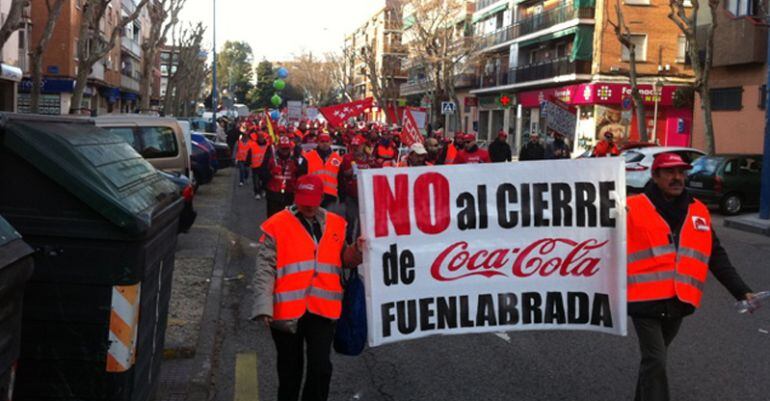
[674, 212]
[532, 151]
[499, 151]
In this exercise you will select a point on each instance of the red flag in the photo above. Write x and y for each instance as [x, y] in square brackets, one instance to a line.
[410, 133]
[337, 115]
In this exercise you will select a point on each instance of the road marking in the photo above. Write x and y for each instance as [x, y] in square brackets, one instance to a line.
[246, 384]
[504, 336]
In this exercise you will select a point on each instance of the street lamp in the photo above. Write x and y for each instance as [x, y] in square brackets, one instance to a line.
[657, 91]
[214, 67]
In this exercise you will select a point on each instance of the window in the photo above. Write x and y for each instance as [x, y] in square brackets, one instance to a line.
[726, 99]
[640, 44]
[681, 49]
[164, 69]
[157, 142]
[762, 97]
[740, 8]
[127, 134]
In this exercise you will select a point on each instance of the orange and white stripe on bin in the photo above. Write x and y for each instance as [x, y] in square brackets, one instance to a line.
[124, 319]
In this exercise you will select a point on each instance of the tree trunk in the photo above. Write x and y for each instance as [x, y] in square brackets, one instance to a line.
[145, 90]
[80, 87]
[36, 72]
[708, 123]
[641, 116]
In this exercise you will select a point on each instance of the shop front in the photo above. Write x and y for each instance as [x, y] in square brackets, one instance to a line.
[601, 107]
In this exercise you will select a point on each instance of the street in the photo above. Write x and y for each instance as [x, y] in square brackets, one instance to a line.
[718, 354]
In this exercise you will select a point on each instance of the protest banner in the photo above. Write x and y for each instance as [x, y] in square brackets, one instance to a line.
[494, 247]
[559, 119]
[410, 132]
[294, 111]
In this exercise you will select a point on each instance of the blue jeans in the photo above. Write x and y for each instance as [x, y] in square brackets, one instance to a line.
[243, 169]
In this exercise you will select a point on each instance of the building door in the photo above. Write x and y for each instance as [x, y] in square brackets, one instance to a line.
[497, 124]
[483, 123]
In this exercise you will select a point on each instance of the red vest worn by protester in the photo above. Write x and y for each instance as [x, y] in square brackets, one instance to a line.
[242, 151]
[283, 174]
[327, 171]
[257, 154]
[451, 154]
[307, 273]
[659, 269]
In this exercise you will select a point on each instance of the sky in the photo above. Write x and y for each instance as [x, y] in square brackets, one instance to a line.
[278, 29]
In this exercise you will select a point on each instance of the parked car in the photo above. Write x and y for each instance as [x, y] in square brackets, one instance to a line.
[729, 181]
[159, 140]
[198, 138]
[200, 163]
[639, 161]
[185, 185]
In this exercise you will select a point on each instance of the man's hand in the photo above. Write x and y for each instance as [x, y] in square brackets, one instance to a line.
[360, 243]
[749, 296]
[265, 319]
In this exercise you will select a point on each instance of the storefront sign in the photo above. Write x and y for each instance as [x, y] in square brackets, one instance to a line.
[596, 93]
[477, 248]
[471, 101]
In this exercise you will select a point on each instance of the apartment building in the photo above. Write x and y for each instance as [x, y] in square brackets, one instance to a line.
[13, 60]
[738, 78]
[553, 55]
[377, 43]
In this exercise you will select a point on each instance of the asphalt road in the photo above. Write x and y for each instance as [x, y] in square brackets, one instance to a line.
[719, 355]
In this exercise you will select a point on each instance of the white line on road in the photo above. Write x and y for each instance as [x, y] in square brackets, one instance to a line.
[504, 336]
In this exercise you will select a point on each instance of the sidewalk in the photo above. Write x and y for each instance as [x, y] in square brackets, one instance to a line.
[195, 296]
[749, 223]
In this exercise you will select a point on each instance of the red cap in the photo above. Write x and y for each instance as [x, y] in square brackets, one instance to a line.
[309, 191]
[284, 142]
[471, 136]
[669, 160]
[324, 138]
[358, 140]
[502, 134]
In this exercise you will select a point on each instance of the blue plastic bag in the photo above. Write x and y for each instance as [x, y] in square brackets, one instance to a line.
[350, 338]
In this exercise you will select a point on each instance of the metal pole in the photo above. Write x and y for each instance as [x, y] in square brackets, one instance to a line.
[764, 195]
[214, 70]
[655, 118]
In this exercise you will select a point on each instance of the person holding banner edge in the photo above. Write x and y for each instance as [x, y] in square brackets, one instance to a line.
[297, 289]
[671, 248]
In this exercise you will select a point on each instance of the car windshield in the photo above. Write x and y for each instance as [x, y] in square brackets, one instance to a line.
[705, 166]
[633, 157]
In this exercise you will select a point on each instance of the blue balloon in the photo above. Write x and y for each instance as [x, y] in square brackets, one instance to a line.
[283, 73]
[275, 115]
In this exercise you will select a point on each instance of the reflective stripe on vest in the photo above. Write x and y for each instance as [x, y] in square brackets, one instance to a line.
[257, 154]
[658, 269]
[326, 171]
[307, 274]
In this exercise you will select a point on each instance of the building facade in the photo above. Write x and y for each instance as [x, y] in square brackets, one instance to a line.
[377, 45]
[542, 57]
[14, 58]
[737, 81]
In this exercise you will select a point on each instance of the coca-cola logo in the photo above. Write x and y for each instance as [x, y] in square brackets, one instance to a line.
[306, 187]
[545, 257]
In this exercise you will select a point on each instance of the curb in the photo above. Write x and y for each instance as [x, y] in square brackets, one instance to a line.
[207, 347]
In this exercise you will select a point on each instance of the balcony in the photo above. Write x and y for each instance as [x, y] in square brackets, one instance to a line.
[751, 35]
[393, 25]
[131, 46]
[481, 4]
[535, 23]
[395, 48]
[97, 71]
[498, 78]
[129, 82]
[549, 69]
[417, 87]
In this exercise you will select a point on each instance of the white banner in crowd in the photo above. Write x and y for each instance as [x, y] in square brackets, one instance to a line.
[494, 247]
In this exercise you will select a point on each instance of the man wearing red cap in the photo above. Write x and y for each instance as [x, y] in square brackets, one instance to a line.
[297, 289]
[606, 147]
[450, 151]
[471, 153]
[352, 162]
[243, 158]
[386, 150]
[671, 248]
[282, 174]
[325, 163]
[500, 150]
[258, 150]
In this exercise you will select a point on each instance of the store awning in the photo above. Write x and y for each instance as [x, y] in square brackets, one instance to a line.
[490, 12]
[583, 46]
[549, 37]
[10, 73]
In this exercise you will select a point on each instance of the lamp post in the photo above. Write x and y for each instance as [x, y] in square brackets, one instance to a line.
[214, 68]
[764, 194]
[657, 91]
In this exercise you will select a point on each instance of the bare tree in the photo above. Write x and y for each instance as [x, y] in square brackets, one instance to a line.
[315, 77]
[440, 47]
[36, 57]
[186, 82]
[164, 14]
[381, 76]
[624, 37]
[12, 20]
[92, 46]
[684, 16]
[341, 68]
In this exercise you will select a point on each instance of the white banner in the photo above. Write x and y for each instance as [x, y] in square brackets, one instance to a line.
[559, 120]
[494, 247]
[294, 110]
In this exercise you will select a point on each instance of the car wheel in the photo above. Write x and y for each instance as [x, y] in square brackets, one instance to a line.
[731, 204]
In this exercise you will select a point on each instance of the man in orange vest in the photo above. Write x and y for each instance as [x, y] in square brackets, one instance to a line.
[671, 248]
[242, 154]
[325, 163]
[297, 288]
[258, 150]
[451, 149]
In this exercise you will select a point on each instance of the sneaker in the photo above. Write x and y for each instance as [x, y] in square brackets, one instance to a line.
[240, 184]
[257, 197]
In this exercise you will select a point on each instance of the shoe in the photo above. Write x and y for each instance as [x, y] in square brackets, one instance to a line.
[257, 197]
[240, 184]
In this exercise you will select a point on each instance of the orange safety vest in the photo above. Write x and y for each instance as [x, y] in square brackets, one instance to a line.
[257, 154]
[659, 269]
[242, 151]
[451, 154]
[326, 171]
[307, 273]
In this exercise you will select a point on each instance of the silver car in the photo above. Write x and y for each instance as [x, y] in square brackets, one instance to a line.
[639, 163]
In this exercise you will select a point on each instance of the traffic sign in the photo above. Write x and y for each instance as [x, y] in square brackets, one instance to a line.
[448, 107]
[627, 102]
